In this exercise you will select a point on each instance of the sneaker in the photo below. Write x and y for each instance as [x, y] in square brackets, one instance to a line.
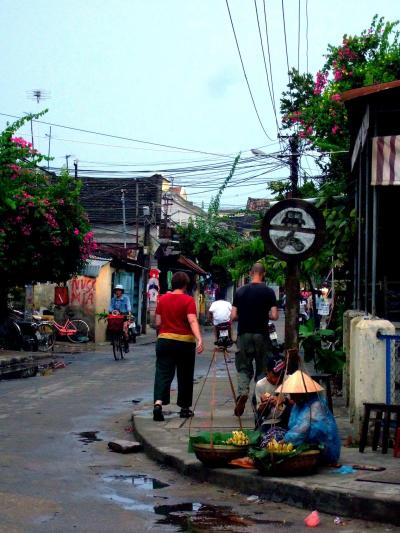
[157, 413]
[186, 413]
[240, 404]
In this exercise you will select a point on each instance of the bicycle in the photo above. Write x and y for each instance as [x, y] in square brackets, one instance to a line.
[76, 331]
[115, 326]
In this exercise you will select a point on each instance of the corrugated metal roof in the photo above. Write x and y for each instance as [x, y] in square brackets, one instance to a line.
[93, 266]
[369, 89]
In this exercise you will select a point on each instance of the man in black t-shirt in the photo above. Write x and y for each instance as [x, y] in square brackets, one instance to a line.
[253, 305]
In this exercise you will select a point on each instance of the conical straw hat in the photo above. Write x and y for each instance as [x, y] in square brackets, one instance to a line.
[299, 383]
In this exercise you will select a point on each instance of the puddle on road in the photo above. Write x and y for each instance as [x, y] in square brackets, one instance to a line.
[87, 437]
[140, 481]
[187, 516]
[200, 517]
[129, 503]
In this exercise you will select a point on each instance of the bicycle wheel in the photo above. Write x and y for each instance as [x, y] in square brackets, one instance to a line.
[45, 336]
[116, 342]
[82, 331]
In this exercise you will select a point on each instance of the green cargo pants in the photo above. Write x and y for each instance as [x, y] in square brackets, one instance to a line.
[252, 347]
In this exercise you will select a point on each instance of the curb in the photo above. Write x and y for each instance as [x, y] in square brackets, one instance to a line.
[292, 491]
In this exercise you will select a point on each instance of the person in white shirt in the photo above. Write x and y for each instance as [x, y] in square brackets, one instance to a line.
[220, 311]
[271, 408]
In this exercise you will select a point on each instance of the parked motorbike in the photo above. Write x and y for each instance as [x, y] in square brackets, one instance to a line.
[132, 329]
[223, 331]
[277, 347]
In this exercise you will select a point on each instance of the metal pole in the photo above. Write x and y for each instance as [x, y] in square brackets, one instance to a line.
[48, 151]
[358, 289]
[374, 250]
[76, 168]
[123, 215]
[33, 142]
[366, 230]
[137, 212]
[292, 281]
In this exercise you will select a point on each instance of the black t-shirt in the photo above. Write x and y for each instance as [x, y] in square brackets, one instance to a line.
[253, 302]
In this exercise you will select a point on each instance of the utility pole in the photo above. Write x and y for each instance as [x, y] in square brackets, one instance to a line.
[292, 281]
[146, 250]
[137, 213]
[48, 152]
[123, 191]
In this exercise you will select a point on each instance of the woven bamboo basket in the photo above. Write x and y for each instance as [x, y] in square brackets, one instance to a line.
[218, 454]
[302, 464]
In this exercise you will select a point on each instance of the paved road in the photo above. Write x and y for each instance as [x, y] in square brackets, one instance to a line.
[56, 473]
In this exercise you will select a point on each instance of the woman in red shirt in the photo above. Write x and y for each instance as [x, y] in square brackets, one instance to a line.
[178, 331]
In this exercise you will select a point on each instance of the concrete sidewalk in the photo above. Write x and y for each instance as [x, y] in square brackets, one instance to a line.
[327, 490]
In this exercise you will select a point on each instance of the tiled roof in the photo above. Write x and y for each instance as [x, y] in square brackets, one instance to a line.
[101, 198]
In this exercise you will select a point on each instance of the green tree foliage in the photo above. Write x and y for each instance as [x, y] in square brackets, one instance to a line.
[203, 237]
[44, 231]
[316, 111]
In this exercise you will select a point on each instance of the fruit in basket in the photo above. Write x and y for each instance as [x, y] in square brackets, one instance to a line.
[274, 446]
[239, 438]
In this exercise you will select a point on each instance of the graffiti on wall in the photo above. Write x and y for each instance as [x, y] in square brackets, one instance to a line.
[83, 291]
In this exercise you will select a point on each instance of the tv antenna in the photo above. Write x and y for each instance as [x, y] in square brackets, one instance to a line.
[38, 95]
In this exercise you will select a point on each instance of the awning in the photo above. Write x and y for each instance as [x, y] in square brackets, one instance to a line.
[191, 265]
[385, 160]
[93, 267]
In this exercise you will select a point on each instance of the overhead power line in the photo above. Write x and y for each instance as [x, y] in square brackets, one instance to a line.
[298, 37]
[265, 67]
[109, 135]
[284, 33]
[245, 74]
[306, 36]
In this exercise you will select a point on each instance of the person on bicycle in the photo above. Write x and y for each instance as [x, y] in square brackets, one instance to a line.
[120, 302]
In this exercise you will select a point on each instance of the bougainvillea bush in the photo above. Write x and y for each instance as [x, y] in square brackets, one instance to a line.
[44, 232]
[315, 106]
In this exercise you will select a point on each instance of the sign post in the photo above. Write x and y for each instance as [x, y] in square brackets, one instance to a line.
[292, 230]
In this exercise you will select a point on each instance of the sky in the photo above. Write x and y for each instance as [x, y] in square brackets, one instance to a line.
[166, 72]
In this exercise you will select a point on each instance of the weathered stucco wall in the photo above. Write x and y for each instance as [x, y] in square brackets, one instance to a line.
[367, 366]
[103, 297]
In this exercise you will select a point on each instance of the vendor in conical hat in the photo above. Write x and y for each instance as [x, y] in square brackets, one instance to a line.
[311, 421]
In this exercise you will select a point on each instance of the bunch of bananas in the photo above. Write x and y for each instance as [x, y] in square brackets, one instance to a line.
[238, 439]
[279, 447]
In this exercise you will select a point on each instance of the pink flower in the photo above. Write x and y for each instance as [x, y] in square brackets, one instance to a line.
[321, 79]
[60, 201]
[76, 231]
[26, 230]
[309, 130]
[21, 142]
[335, 129]
[51, 221]
[336, 97]
[338, 75]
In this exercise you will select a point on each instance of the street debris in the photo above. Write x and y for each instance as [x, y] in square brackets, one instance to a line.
[312, 520]
[253, 498]
[345, 469]
[87, 437]
[125, 446]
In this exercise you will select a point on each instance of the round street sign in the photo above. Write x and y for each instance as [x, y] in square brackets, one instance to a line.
[293, 229]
